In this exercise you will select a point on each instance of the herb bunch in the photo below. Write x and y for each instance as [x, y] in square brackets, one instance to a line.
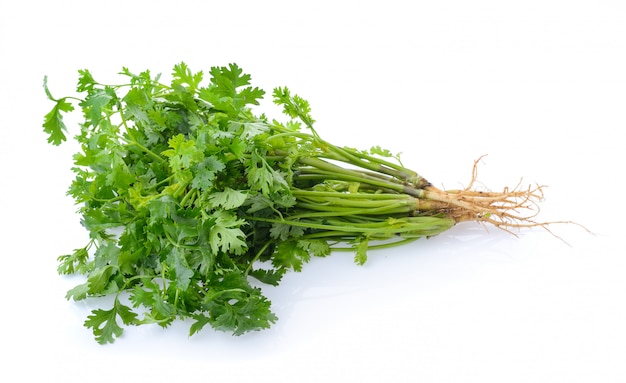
[187, 194]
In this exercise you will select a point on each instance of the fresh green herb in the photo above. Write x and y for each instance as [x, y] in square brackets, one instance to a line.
[187, 194]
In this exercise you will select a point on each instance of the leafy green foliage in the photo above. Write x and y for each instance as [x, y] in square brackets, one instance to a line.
[187, 194]
[104, 322]
[53, 124]
[293, 106]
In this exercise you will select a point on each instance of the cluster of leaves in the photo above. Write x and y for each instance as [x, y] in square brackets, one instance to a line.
[175, 167]
[186, 194]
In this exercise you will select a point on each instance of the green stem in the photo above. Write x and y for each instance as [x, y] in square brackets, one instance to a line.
[376, 165]
[319, 211]
[188, 199]
[379, 246]
[257, 256]
[424, 225]
[133, 140]
[332, 194]
[357, 158]
[326, 171]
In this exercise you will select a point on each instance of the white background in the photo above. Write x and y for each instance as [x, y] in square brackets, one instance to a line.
[539, 86]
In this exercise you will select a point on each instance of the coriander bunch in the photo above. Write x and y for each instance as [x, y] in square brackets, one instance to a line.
[187, 194]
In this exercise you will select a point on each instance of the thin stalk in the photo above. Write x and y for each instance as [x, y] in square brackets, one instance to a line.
[133, 140]
[257, 256]
[426, 224]
[379, 246]
[317, 211]
[359, 159]
[354, 203]
[334, 172]
[364, 196]
[377, 165]
[339, 236]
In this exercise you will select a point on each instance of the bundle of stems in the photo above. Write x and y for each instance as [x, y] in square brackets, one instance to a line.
[344, 193]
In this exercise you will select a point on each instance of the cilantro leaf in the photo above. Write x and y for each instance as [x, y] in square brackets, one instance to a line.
[183, 153]
[201, 321]
[99, 279]
[70, 263]
[250, 96]
[178, 263]
[95, 104]
[240, 316]
[360, 256]
[161, 208]
[53, 123]
[183, 75]
[104, 322]
[261, 176]
[284, 231]
[225, 234]
[228, 198]
[86, 81]
[78, 292]
[290, 255]
[317, 247]
[270, 277]
[150, 296]
[227, 79]
[293, 106]
[233, 305]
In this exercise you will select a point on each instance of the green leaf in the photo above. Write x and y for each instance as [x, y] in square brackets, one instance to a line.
[202, 259]
[53, 123]
[270, 277]
[238, 147]
[227, 79]
[95, 104]
[290, 255]
[104, 322]
[204, 177]
[183, 273]
[283, 231]
[377, 150]
[139, 107]
[293, 106]
[98, 281]
[262, 177]
[106, 254]
[145, 294]
[119, 177]
[233, 305]
[163, 313]
[249, 130]
[241, 316]
[78, 292]
[360, 248]
[71, 263]
[225, 84]
[201, 321]
[183, 153]
[316, 247]
[85, 81]
[228, 198]
[161, 208]
[250, 95]
[183, 75]
[225, 234]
